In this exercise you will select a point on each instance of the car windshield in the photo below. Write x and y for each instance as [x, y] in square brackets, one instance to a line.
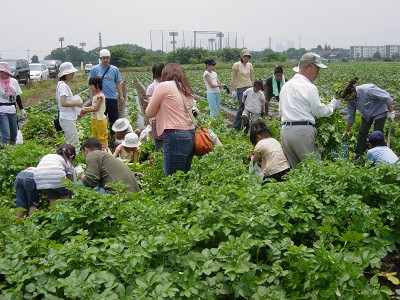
[35, 67]
[11, 63]
[49, 63]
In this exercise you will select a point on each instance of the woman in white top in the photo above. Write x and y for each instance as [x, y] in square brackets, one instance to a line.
[69, 106]
[212, 84]
[9, 96]
[51, 171]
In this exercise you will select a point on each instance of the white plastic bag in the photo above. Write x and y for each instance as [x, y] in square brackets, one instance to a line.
[20, 138]
[256, 170]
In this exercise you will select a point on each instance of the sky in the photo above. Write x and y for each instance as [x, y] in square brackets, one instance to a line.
[257, 24]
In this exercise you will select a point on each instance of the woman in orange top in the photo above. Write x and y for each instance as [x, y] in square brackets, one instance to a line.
[174, 125]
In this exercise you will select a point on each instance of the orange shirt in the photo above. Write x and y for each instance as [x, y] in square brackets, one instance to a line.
[167, 106]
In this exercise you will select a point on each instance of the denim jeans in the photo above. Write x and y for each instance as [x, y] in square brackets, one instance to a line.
[178, 151]
[237, 123]
[8, 127]
[214, 100]
[365, 126]
[25, 190]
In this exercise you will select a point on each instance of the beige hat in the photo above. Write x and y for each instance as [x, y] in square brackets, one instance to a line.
[66, 68]
[245, 52]
[131, 140]
[120, 125]
[310, 58]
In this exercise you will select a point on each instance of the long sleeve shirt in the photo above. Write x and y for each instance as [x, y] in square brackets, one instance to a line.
[300, 101]
[371, 101]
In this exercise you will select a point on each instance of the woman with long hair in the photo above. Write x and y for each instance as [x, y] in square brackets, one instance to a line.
[174, 125]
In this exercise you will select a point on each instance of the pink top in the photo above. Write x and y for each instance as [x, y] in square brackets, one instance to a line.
[167, 106]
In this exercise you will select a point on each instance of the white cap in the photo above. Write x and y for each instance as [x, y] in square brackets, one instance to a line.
[105, 53]
[131, 140]
[66, 68]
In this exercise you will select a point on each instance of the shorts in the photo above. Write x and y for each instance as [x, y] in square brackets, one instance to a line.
[26, 192]
[56, 193]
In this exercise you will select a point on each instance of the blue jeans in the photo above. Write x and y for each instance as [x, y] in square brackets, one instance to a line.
[25, 190]
[178, 151]
[8, 127]
[214, 100]
[237, 123]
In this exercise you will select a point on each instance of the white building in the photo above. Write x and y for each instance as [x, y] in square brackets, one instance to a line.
[369, 51]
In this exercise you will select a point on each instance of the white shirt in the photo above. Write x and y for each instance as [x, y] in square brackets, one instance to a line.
[66, 113]
[299, 101]
[253, 100]
[50, 171]
[15, 91]
[214, 80]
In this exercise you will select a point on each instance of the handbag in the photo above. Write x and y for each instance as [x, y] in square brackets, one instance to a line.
[57, 122]
[154, 130]
[202, 139]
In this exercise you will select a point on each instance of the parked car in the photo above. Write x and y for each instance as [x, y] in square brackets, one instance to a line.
[53, 66]
[88, 67]
[38, 72]
[19, 69]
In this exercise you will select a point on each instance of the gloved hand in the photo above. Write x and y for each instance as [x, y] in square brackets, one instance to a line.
[23, 113]
[391, 115]
[336, 103]
[233, 94]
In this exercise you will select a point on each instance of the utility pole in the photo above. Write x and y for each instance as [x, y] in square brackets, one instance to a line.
[82, 45]
[100, 41]
[28, 55]
[151, 42]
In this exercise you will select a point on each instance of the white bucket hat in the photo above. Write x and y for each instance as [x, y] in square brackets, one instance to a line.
[66, 68]
[131, 140]
[104, 53]
[120, 125]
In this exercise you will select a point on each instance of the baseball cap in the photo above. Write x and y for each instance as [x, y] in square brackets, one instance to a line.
[105, 53]
[376, 136]
[310, 58]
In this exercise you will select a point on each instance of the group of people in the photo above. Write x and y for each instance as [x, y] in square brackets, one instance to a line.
[171, 103]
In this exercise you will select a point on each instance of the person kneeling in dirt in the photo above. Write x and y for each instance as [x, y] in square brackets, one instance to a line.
[380, 152]
[103, 168]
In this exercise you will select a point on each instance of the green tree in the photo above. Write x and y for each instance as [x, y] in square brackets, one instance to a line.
[74, 55]
[35, 59]
[377, 55]
[58, 53]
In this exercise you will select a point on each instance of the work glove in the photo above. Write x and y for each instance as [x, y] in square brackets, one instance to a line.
[391, 115]
[24, 114]
[336, 103]
[233, 94]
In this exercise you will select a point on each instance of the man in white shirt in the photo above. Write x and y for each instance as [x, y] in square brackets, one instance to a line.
[299, 104]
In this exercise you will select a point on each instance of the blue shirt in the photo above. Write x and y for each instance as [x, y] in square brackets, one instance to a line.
[371, 101]
[380, 154]
[110, 79]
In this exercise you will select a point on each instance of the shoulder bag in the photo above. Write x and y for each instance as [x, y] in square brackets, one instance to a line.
[202, 139]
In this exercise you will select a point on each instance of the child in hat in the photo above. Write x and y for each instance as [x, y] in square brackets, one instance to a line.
[129, 149]
[380, 152]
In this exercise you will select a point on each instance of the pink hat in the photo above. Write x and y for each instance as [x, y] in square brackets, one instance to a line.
[4, 67]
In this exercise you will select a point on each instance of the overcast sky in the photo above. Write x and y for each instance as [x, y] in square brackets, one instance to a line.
[37, 25]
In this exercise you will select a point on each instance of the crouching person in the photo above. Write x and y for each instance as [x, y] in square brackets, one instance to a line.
[52, 170]
[103, 168]
[26, 192]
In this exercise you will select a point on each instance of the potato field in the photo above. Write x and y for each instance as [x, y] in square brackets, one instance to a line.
[330, 231]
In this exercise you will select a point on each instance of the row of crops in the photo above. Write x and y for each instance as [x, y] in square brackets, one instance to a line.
[215, 233]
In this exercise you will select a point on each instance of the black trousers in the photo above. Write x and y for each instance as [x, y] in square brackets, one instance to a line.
[362, 143]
